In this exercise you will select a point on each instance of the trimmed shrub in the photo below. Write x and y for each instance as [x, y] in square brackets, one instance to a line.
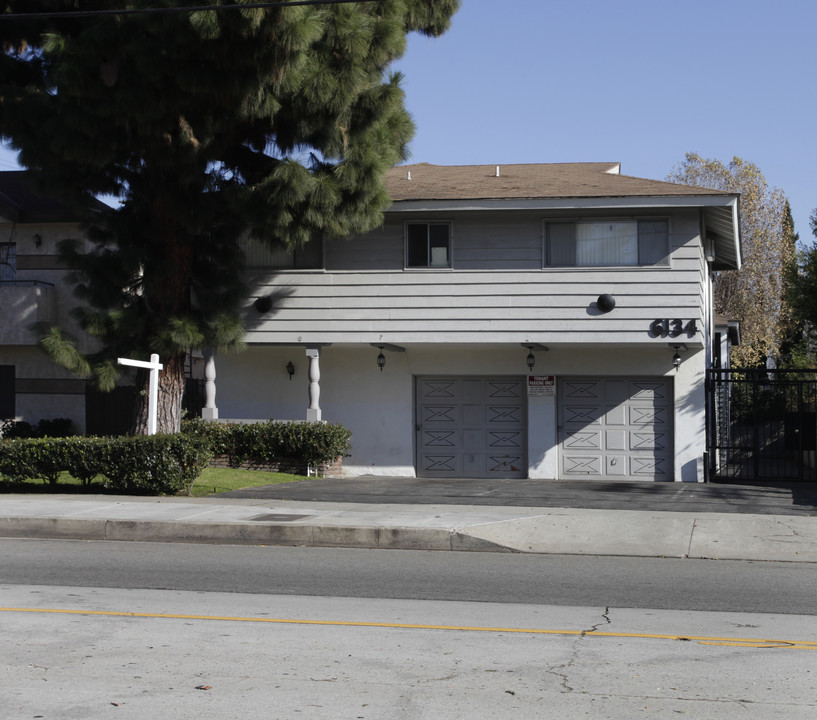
[158, 464]
[273, 441]
[155, 464]
[54, 427]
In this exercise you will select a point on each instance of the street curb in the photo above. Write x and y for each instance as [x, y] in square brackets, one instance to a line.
[381, 538]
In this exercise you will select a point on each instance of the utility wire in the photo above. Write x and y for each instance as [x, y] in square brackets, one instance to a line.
[166, 10]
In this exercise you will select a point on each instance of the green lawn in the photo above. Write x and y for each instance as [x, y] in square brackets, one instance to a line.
[211, 481]
[219, 480]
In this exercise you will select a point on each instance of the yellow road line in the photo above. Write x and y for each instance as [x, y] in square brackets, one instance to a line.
[703, 640]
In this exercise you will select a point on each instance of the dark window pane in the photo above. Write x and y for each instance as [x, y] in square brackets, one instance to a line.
[438, 239]
[417, 244]
[7, 392]
[8, 262]
[310, 255]
[653, 242]
[561, 244]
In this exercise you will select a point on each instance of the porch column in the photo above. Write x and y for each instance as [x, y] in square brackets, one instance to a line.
[209, 411]
[313, 413]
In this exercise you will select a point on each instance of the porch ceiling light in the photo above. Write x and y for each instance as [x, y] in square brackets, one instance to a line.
[531, 360]
[381, 358]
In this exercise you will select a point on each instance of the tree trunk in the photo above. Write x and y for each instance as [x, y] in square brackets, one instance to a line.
[171, 390]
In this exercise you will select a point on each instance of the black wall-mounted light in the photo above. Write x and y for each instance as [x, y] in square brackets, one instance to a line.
[605, 302]
[263, 304]
[676, 359]
[381, 358]
[290, 369]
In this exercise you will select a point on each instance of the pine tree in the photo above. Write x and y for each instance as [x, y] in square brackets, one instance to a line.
[756, 294]
[276, 121]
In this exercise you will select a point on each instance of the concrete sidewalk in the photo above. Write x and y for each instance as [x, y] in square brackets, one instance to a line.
[786, 535]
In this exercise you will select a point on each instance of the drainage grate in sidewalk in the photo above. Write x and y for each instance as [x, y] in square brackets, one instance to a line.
[278, 517]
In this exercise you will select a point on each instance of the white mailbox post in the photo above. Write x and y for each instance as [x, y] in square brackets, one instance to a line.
[153, 388]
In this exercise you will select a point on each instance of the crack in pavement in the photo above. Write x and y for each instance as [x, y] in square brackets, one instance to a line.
[561, 671]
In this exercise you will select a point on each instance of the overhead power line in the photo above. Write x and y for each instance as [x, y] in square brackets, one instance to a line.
[165, 10]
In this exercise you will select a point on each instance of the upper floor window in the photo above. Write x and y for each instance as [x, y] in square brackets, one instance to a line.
[607, 243]
[259, 254]
[8, 262]
[428, 245]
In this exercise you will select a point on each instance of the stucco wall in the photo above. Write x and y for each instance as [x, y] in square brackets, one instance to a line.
[379, 407]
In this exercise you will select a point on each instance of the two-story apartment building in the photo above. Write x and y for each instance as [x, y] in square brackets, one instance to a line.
[542, 321]
[34, 288]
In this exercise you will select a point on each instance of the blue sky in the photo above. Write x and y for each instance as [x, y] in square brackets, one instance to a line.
[640, 82]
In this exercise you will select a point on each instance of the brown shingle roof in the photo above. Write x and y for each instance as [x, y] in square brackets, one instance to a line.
[21, 201]
[544, 180]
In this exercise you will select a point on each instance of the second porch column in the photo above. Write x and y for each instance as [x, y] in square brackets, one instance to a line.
[209, 411]
[313, 413]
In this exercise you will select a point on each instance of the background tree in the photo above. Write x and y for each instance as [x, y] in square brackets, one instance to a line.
[279, 121]
[755, 295]
[802, 297]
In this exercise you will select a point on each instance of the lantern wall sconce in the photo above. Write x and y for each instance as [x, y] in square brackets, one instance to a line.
[290, 369]
[531, 358]
[676, 358]
[381, 358]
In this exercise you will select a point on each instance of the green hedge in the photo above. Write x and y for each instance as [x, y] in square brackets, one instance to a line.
[158, 464]
[53, 427]
[313, 443]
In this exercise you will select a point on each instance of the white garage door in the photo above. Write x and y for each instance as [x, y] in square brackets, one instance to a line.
[473, 427]
[615, 428]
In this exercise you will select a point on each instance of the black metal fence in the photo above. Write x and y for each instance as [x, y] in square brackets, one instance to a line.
[762, 425]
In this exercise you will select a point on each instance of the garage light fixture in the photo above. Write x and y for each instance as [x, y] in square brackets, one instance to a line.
[381, 358]
[531, 358]
[290, 369]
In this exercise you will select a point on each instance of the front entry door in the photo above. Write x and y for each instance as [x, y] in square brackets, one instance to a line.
[472, 427]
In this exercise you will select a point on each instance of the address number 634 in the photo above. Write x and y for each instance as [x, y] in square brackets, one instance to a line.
[673, 328]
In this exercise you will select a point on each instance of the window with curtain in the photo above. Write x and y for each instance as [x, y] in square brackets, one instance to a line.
[607, 243]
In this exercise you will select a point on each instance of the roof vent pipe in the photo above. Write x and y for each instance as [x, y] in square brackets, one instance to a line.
[497, 171]
[408, 175]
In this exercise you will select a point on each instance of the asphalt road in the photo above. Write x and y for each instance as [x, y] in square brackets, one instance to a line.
[677, 584]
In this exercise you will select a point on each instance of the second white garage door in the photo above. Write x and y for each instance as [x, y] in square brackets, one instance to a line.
[615, 428]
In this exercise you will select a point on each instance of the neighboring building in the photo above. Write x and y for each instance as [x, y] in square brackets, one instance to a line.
[33, 289]
[542, 321]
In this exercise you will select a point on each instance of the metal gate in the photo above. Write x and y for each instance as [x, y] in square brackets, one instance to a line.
[761, 425]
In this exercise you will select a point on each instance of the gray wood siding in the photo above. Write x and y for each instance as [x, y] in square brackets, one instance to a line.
[496, 291]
